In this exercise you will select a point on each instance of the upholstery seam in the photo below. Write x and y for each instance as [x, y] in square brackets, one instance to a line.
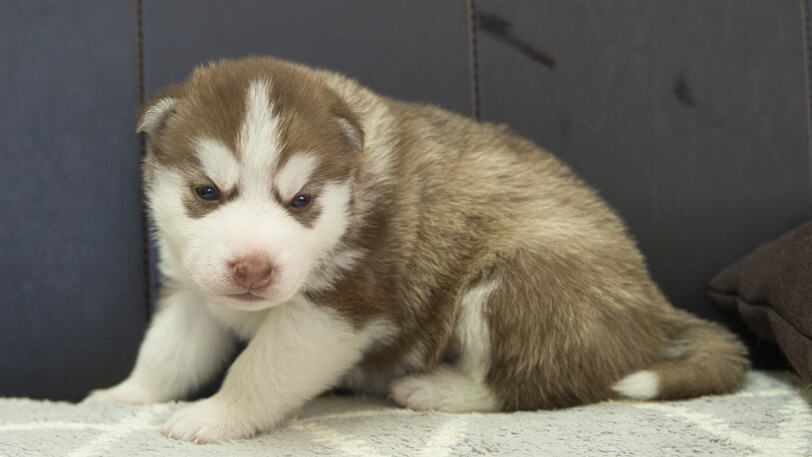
[807, 43]
[474, 56]
[139, 45]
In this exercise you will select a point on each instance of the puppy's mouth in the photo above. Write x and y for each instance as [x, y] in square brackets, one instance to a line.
[246, 297]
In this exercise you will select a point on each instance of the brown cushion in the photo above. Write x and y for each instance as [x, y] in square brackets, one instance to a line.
[771, 291]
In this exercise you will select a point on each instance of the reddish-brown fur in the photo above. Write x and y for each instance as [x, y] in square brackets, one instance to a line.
[442, 203]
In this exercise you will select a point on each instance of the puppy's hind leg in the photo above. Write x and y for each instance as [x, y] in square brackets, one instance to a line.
[447, 389]
[457, 387]
[183, 348]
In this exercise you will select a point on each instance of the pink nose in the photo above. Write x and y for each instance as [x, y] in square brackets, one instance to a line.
[252, 272]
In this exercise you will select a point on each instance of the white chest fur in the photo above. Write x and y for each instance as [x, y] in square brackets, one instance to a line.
[244, 324]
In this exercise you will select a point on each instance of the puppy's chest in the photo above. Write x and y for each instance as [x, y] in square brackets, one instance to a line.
[244, 324]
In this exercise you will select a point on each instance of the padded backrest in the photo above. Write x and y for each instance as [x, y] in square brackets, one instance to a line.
[71, 241]
[691, 118]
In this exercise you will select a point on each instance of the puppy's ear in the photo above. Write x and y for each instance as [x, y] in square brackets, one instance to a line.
[352, 133]
[156, 112]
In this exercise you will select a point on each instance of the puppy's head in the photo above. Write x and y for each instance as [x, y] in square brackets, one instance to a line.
[249, 178]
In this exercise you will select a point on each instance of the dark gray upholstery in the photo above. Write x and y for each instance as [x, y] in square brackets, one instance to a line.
[410, 50]
[71, 258]
[690, 117]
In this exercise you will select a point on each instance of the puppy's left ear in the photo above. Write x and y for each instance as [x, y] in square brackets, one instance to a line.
[157, 111]
[155, 115]
[353, 134]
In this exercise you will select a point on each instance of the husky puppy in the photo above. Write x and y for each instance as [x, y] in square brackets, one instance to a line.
[392, 249]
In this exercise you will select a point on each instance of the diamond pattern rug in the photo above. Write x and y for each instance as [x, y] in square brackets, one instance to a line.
[770, 417]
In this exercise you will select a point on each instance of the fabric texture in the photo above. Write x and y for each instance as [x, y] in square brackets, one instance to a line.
[770, 416]
[770, 290]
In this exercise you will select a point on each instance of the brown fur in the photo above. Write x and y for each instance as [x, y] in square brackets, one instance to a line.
[295, 104]
[442, 203]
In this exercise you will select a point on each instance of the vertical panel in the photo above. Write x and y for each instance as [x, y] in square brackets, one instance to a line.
[415, 50]
[690, 117]
[71, 262]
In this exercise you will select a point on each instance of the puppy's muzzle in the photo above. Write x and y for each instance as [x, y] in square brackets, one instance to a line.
[254, 273]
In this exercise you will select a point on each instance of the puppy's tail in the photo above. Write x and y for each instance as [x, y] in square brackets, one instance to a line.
[701, 358]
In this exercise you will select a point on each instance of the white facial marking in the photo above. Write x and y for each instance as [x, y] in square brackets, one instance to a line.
[335, 200]
[295, 174]
[259, 141]
[166, 200]
[218, 162]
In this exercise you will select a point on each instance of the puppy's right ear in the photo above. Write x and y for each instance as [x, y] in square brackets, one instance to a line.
[157, 111]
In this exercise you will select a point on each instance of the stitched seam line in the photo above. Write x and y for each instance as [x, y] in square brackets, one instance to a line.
[808, 67]
[142, 145]
[472, 46]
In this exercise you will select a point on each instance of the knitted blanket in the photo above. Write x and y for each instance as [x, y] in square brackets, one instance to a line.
[770, 416]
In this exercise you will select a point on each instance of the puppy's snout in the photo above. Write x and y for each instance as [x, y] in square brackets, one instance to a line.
[254, 273]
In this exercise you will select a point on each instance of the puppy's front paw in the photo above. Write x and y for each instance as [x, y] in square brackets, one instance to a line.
[123, 393]
[207, 421]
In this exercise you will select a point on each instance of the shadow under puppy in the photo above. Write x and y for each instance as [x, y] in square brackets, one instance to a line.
[393, 249]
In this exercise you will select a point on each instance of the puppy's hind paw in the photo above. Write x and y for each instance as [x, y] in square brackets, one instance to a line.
[442, 390]
[414, 393]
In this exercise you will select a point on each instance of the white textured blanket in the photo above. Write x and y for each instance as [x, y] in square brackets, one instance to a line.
[771, 417]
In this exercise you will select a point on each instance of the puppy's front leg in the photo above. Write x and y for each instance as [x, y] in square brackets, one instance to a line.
[183, 348]
[299, 351]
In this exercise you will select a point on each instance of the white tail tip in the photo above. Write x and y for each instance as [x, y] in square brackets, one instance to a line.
[642, 385]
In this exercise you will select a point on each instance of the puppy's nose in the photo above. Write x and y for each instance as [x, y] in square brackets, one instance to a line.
[252, 272]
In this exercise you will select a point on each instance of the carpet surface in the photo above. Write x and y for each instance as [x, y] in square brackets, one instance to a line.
[771, 416]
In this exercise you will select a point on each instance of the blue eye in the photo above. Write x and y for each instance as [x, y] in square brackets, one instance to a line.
[300, 201]
[207, 193]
